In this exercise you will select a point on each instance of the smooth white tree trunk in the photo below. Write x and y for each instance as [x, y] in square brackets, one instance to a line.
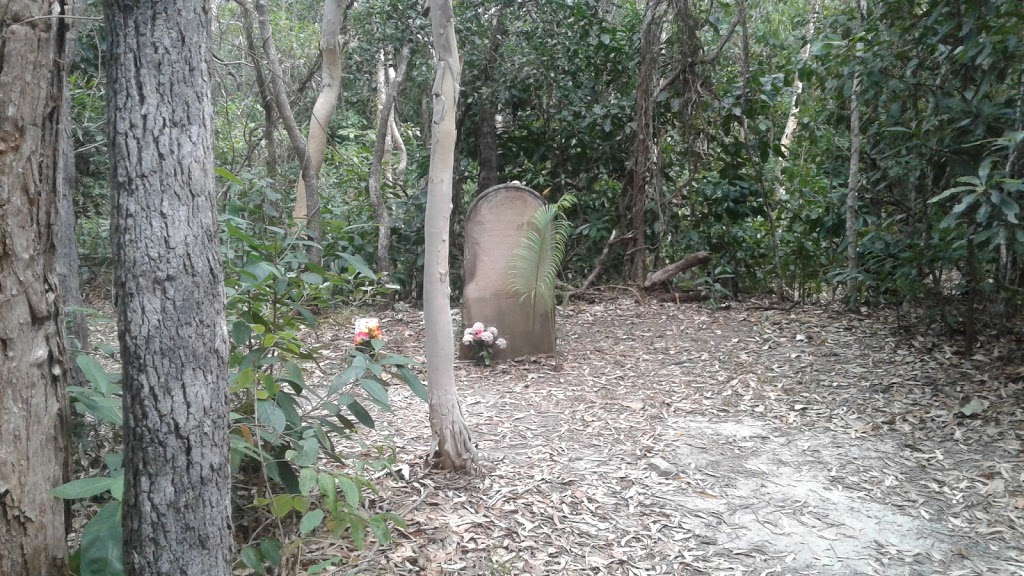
[452, 446]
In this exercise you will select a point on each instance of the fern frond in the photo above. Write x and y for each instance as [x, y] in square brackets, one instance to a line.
[534, 266]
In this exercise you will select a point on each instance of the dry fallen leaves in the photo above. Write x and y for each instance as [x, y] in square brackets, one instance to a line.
[803, 442]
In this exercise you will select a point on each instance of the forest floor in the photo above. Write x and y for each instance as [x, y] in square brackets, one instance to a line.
[678, 439]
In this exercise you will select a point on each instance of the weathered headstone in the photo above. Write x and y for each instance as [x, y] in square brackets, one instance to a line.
[495, 225]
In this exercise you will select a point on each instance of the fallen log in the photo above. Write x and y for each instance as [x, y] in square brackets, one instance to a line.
[670, 271]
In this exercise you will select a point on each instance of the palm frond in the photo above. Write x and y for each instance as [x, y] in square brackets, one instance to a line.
[534, 266]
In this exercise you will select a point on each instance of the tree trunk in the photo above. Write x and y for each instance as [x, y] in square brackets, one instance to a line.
[284, 111]
[678, 267]
[486, 126]
[266, 96]
[452, 447]
[33, 400]
[67, 242]
[798, 86]
[643, 145]
[307, 204]
[853, 185]
[168, 290]
[380, 208]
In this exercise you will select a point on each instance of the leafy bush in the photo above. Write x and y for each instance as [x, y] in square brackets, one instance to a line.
[282, 428]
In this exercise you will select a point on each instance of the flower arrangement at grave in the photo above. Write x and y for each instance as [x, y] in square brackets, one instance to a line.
[366, 331]
[485, 342]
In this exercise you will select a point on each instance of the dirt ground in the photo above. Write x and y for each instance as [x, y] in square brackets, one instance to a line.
[679, 439]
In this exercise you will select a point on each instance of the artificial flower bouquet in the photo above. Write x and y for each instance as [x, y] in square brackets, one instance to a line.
[367, 330]
[484, 341]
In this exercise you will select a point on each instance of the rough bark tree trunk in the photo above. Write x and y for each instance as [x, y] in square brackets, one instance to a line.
[33, 400]
[486, 126]
[168, 287]
[452, 447]
[380, 207]
[644, 143]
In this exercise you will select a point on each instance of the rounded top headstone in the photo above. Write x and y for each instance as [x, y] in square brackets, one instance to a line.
[495, 225]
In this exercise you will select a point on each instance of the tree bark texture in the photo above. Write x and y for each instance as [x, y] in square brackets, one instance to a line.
[307, 205]
[486, 126]
[266, 95]
[380, 207]
[33, 400]
[284, 111]
[168, 289]
[644, 144]
[678, 267]
[452, 445]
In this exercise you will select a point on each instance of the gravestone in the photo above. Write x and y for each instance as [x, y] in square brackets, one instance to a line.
[495, 225]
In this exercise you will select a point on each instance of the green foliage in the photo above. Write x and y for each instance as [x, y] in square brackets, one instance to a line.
[534, 266]
[283, 429]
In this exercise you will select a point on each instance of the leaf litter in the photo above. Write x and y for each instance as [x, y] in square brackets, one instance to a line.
[677, 439]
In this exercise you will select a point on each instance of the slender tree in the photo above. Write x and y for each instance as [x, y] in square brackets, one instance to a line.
[853, 184]
[307, 202]
[380, 150]
[168, 289]
[452, 445]
[644, 144]
[33, 401]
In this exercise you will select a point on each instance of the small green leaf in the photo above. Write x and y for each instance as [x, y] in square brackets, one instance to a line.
[307, 481]
[307, 455]
[286, 402]
[270, 414]
[377, 392]
[413, 382]
[351, 491]
[94, 373]
[358, 527]
[360, 413]
[281, 505]
[271, 550]
[101, 553]
[328, 491]
[380, 529]
[241, 332]
[347, 376]
[323, 566]
[312, 278]
[84, 488]
[310, 520]
[117, 489]
[252, 559]
[227, 175]
[360, 265]
[113, 460]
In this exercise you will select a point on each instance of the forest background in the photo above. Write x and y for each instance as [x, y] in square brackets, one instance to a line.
[861, 153]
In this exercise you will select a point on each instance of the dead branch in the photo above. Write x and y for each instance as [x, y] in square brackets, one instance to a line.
[670, 271]
[599, 265]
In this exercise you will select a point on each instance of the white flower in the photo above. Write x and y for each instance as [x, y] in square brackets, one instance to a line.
[501, 343]
[487, 337]
[478, 326]
[493, 331]
[367, 324]
[467, 340]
